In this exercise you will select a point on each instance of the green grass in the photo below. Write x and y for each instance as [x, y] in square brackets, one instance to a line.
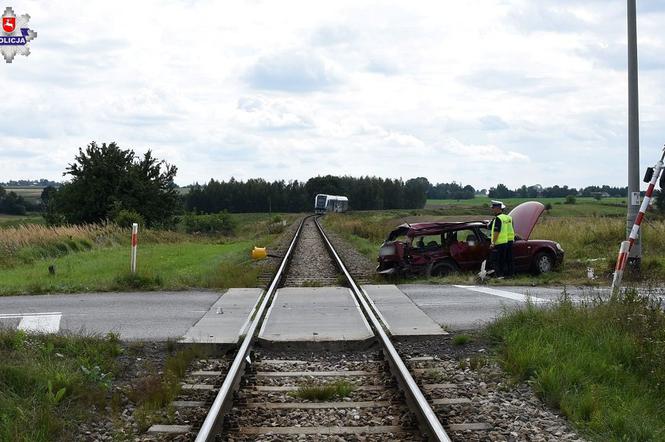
[164, 266]
[96, 257]
[584, 206]
[602, 363]
[19, 220]
[461, 339]
[154, 392]
[50, 382]
[324, 392]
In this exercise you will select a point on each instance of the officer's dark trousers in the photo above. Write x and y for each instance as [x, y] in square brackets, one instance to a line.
[503, 259]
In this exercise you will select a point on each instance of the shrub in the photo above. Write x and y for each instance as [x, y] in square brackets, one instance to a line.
[125, 218]
[570, 199]
[215, 223]
[548, 206]
[461, 339]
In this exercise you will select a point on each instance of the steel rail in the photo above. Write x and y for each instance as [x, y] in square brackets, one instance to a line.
[224, 399]
[424, 413]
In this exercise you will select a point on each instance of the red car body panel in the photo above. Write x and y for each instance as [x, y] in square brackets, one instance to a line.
[525, 216]
[463, 245]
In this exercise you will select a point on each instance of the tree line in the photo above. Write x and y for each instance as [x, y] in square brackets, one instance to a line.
[258, 195]
[110, 183]
[14, 204]
[537, 191]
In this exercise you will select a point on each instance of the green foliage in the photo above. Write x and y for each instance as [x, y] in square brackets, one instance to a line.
[453, 191]
[601, 362]
[324, 392]
[220, 223]
[44, 391]
[152, 392]
[13, 204]
[500, 191]
[125, 218]
[461, 339]
[570, 199]
[107, 178]
[548, 206]
[258, 195]
[659, 201]
[54, 398]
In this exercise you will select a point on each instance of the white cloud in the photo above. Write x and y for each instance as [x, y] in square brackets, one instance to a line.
[509, 91]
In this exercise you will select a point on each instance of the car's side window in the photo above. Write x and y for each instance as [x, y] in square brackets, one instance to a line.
[427, 241]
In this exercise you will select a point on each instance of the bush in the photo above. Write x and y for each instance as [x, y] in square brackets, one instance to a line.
[217, 223]
[548, 206]
[125, 218]
[570, 199]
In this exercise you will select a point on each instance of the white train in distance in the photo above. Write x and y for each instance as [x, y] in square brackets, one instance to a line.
[330, 203]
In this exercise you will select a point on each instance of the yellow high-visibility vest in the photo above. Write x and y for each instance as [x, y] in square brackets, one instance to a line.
[507, 233]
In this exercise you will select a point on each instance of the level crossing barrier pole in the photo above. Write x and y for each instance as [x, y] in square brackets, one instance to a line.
[135, 241]
[624, 250]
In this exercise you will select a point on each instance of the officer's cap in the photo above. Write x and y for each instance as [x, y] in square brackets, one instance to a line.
[498, 205]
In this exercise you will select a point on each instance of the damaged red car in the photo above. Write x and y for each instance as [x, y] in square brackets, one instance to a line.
[441, 248]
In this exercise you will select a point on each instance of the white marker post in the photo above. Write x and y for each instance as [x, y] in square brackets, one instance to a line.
[135, 241]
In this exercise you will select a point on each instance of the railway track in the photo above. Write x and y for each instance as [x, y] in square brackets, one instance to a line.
[264, 395]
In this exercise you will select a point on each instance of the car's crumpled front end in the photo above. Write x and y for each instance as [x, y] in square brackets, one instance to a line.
[391, 258]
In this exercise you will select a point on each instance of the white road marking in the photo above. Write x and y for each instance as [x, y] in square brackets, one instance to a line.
[19, 315]
[40, 323]
[46, 322]
[503, 293]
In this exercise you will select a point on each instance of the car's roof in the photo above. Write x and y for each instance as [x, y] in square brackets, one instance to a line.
[438, 227]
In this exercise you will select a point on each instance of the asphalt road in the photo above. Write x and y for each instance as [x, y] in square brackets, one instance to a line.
[135, 316]
[168, 315]
[469, 307]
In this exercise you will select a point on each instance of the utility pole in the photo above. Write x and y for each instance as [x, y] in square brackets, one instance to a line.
[633, 137]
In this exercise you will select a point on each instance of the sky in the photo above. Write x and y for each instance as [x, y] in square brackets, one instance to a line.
[482, 92]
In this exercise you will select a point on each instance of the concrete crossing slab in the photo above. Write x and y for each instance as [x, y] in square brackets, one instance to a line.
[400, 315]
[226, 320]
[314, 314]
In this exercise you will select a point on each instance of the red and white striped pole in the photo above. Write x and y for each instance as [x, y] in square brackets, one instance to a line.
[135, 241]
[624, 250]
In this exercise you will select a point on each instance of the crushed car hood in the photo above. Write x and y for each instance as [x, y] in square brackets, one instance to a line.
[525, 216]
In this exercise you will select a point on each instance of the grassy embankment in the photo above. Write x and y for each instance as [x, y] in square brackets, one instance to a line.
[589, 241]
[96, 257]
[602, 363]
[50, 384]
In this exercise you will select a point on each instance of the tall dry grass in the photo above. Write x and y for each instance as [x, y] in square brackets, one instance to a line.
[29, 242]
[590, 237]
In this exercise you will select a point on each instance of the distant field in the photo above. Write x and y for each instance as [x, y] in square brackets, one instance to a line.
[17, 220]
[31, 194]
[584, 206]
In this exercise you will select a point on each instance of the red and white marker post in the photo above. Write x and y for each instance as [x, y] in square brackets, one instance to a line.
[135, 241]
[624, 250]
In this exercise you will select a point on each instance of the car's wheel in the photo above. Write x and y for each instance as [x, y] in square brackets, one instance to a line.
[543, 263]
[444, 268]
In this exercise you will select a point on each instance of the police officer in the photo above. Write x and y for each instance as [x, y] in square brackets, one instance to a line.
[502, 236]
